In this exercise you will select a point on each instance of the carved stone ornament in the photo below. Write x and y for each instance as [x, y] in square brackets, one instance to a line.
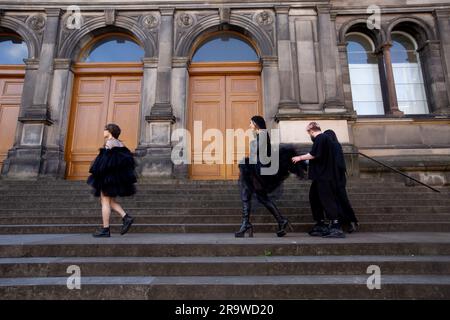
[185, 20]
[264, 18]
[36, 22]
[149, 21]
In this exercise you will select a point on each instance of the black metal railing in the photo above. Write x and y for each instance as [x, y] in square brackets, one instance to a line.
[393, 169]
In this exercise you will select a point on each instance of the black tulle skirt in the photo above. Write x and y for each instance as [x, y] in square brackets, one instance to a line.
[113, 173]
[253, 177]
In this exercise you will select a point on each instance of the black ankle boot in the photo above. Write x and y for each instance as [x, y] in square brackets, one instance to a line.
[127, 222]
[102, 233]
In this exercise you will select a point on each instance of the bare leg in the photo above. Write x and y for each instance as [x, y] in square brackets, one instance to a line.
[117, 207]
[106, 210]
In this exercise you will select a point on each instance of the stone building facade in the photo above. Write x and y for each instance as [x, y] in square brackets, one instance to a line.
[304, 70]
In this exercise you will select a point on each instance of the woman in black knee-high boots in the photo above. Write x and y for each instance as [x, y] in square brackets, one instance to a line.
[253, 181]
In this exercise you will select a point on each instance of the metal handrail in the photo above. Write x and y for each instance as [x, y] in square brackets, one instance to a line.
[393, 169]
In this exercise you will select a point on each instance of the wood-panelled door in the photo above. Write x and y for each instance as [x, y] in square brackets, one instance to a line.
[99, 100]
[10, 96]
[221, 102]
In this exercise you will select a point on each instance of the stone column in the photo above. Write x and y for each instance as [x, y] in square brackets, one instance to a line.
[26, 158]
[154, 156]
[53, 163]
[179, 102]
[390, 82]
[287, 104]
[328, 52]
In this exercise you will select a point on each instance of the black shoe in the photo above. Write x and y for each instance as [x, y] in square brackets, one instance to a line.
[102, 233]
[319, 230]
[335, 231]
[353, 227]
[243, 230]
[127, 222]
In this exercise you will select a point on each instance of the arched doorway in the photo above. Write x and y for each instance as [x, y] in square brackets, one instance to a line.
[107, 88]
[12, 72]
[224, 93]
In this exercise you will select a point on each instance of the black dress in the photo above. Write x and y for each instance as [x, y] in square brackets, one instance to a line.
[113, 173]
[251, 175]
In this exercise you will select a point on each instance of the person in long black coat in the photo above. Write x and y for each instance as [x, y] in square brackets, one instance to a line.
[253, 181]
[346, 214]
[113, 175]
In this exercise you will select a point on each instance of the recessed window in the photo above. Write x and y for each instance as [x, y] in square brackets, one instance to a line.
[114, 49]
[225, 47]
[12, 50]
[364, 75]
[409, 84]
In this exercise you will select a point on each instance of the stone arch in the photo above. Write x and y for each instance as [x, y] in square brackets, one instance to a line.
[360, 25]
[416, 27]
[243, 25]
[16, 26]
[72, 45]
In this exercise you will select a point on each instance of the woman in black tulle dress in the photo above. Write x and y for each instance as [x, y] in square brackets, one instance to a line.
[112, 175]
[253, 181]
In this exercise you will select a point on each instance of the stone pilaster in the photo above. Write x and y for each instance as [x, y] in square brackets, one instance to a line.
[162, 109]
[328, 52]
[26, 157]
[442, 18]
[53, 162]
[287, 104]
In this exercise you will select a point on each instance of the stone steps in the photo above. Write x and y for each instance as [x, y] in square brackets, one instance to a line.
[226, 287]
[366, 226]
[223, 244]
[182, 245]
[219, 266]
[223, 266]
[94, 218]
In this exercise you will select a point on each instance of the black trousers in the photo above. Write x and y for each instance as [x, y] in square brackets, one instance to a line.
[323, 200]
[346, 214]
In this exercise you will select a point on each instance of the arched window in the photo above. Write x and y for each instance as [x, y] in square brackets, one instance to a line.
[113, 48]
[409, 84]
[12, 49]
[225, 47]
[364, 75]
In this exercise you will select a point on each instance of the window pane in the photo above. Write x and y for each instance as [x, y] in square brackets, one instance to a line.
[114, 49]
[409, 84]
[225, 48]
[12, 50]
[364, 76]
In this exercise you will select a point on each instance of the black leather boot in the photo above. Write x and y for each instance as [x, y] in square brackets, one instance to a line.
[246, 197]
[246, 225]
[283, 223]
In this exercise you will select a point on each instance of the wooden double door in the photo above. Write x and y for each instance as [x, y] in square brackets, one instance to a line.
[99, 100]
[221, 102]
[10, 96]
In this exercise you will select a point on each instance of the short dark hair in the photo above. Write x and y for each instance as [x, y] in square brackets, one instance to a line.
[313, 126]
[113, 129]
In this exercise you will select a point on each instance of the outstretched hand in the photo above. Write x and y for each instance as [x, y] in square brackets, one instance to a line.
[296, 159]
